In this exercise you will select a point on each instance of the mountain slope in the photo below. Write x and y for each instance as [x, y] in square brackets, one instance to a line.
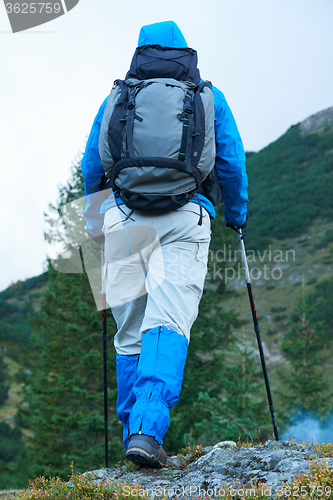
[291, 181]
[290, 239]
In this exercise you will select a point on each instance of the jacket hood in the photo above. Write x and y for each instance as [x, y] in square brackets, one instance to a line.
[166, 34]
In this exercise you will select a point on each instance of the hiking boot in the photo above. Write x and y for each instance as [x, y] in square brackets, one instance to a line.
[146, 451]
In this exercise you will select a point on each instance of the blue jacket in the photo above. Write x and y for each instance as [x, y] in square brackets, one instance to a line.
[230, 156]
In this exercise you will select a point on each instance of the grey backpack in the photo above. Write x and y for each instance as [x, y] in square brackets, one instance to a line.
[157, 141]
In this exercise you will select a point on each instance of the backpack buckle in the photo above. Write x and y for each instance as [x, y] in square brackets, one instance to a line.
[188, 103]
[131, 102]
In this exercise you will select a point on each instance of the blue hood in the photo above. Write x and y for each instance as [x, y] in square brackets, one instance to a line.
[166, 34]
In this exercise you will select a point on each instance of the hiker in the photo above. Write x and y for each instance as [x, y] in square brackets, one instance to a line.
[157, 232]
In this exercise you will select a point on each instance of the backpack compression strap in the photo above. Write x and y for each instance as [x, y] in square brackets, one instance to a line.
[131, 115]
[188, 128]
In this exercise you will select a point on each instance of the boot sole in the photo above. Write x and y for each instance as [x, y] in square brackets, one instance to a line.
[142, 457]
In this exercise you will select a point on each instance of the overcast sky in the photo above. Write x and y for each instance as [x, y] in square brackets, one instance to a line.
[273, 59]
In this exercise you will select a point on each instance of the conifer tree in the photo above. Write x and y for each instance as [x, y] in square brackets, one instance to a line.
[307, 384]
[240, 407]
[64, 395]
[12, 458]
[3, 385]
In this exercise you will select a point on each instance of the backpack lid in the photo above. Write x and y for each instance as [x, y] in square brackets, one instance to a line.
[155, 61]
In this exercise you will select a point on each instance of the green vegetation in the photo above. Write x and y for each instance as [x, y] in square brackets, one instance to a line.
[12, 457]
[233, 411]
[63, 399]
[16, 303]
[321, 311]
[290, 186]
[189, 454]
[324, 449]
[21, 288]
[3, 384]
[82, 487]
[64, 393]
[328, 238]
[317, 484]
[304, 346]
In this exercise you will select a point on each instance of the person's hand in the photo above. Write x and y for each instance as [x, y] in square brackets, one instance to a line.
[237, 228]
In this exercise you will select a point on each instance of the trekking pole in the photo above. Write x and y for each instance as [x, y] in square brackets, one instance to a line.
[105, 364]
[257, 330]
[105, 359]
[105, 338]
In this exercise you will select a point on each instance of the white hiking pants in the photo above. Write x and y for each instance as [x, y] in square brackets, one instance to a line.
[154, 271]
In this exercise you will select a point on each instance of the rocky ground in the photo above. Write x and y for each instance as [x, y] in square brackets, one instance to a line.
[274, 463]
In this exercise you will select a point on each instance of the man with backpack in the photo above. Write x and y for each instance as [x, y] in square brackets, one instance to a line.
[164, 145]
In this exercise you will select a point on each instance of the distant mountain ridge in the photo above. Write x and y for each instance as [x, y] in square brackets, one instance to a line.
[317, 123]
[290, 181]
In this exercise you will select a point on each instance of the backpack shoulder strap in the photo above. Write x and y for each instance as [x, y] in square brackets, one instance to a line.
[116, 124]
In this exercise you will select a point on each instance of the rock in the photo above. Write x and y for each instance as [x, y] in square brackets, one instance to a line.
[176, 461]
[273, 464]
[319, 122]
[225, 444]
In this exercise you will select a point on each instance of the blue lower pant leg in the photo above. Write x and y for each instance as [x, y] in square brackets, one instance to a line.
[126, 377]
[159, 379]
